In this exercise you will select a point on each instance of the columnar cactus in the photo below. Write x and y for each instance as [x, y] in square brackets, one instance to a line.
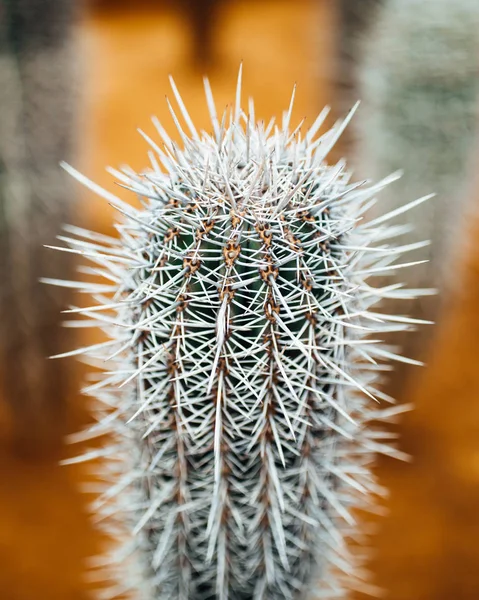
[242, 359]
[355, 20]
[36, 132]
[419, 88]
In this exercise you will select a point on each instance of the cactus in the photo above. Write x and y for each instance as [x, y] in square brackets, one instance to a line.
[420, 91]
[242, 347]
[36, 100]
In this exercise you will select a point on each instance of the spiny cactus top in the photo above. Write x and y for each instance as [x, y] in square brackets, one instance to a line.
[241, 366]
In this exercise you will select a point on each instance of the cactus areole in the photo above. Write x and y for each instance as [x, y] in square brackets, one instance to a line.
[241, 363]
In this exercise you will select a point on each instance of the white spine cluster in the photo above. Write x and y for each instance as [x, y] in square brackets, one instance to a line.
[243, 356]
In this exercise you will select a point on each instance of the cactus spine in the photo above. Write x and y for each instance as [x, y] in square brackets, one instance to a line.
[240, 379]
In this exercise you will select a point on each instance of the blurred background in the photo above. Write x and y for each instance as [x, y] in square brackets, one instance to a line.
[76, 81]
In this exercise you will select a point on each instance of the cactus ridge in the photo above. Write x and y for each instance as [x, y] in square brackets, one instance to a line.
[243, 357]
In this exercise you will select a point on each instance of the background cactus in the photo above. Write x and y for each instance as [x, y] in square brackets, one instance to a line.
[36, 102]
[355, 19]
[419, 86]
[243, 355]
